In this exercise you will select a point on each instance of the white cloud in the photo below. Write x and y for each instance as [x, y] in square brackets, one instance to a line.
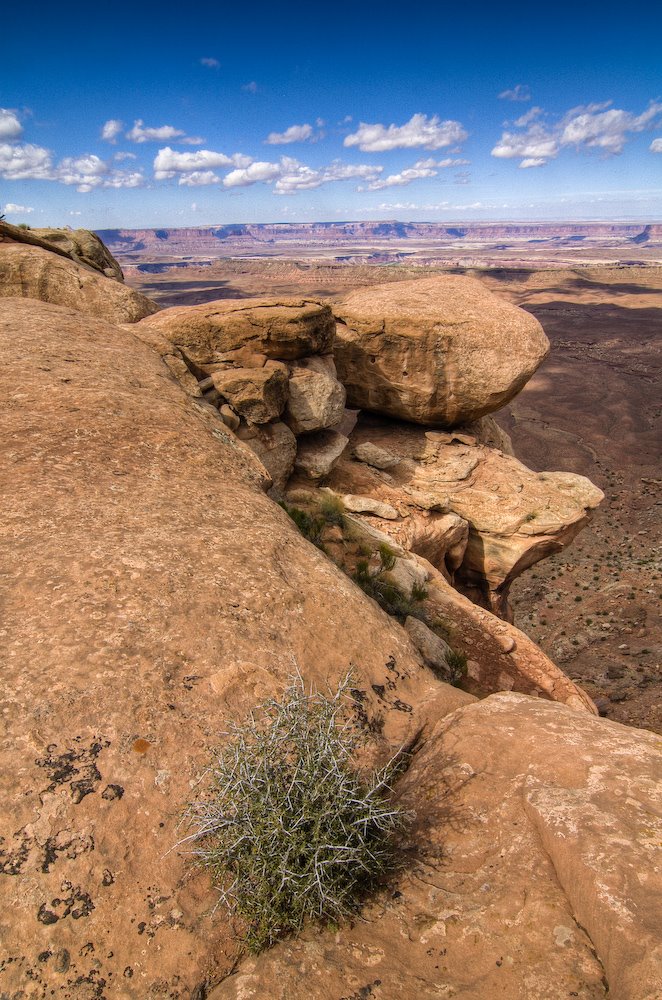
[141, 134]
[124, 156]
[656, 146]
[192, 140]
[251, 87]
[10, 127]
[210, 62]
[298, 177]
[528, 117]
[421, 169]
[260, 171]
[24, 162]
[594, 126]
[520, 92]
[168, 163]
[199, 178]
[608, 130]
[29, 162]
[419, 131]
[111, 130]
[291, 176]
[533, 144]
[13, 209]
[295, 133]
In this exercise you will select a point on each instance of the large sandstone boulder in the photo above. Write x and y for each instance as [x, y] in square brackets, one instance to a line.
[80, 245]
[533, 872]
[150, 592]
[276, 447]
[280, 329]
[435, 351]
[35, 273]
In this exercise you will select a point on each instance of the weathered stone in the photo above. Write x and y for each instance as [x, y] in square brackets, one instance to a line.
[433, 648]
[257, 394]
[367, 505]
[318, 453]
[280, 329]
[436, 351]
[407, 574]
[316, 397]
[372, 454]
[276, 447]
[34, 273]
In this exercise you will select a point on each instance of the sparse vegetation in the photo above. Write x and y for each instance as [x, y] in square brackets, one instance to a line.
[332, 509]
[311, 527]
[457, 664]
[387, 556]
[289, 829]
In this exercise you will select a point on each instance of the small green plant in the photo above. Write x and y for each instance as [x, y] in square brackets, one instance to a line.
[419, 592]
[531, 516]
[387, 556]
[332, 509]
[289, 829]
[457, 664]
[309, 526]
[23, 225]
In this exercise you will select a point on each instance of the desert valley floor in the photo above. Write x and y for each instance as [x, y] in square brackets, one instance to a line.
[593, 408]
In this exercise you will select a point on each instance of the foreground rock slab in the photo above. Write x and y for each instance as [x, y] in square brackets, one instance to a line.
[436, 351]
[150, 592]
[536, 843]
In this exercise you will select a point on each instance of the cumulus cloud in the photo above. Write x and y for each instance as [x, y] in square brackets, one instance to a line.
[198, 178]
[421, 169]
[29, 162]
[295, 133]
[520, 92]
[10, 127]
[210, 62]
[124, 156]
[141, 134]
[25, 161]
[261, 171]
[419, 132]
[13, 209]
[111, 130]
[168, 162]
[528, 117]
[251, 87]
[534, 146]
[656, 146]
[593, 126]
[291, 176]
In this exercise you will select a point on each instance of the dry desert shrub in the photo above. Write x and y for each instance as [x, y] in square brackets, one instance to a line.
[290, 829]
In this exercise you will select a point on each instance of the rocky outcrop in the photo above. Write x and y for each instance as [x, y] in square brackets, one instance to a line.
[79, 245]
[35, 273]
[531, 873]
[437, 351]
[151, 592]
[257, 394]
[511, 517]
[282, 330]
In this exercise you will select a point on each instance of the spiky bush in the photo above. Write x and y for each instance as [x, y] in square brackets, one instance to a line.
[290, 830]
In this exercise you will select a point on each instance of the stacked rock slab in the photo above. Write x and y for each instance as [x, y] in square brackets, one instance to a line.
[270, 363]
[437, 351]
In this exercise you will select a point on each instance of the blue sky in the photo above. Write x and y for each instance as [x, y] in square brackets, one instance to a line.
[150, 116]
